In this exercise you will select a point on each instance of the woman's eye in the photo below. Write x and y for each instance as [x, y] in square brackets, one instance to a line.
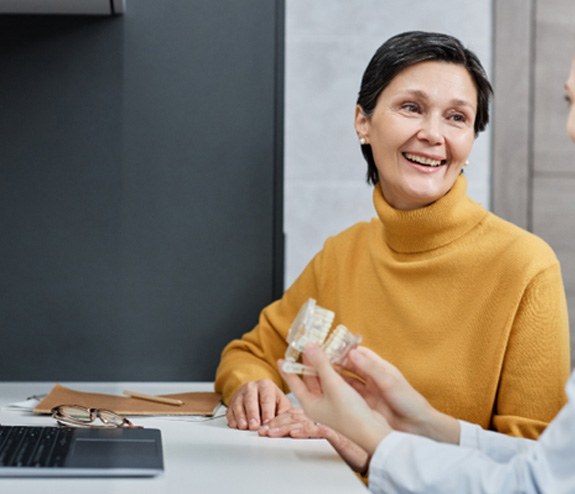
[458, 117]
[410, 107]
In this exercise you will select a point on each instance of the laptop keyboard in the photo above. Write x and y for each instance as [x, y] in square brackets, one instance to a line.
[34, 446]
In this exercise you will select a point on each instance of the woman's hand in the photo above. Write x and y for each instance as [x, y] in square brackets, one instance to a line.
[294, 423]
[387, 391]
[256, 403]
[328, 399]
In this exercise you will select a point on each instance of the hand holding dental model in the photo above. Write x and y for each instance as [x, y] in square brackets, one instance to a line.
[382, 396]
[367, 409]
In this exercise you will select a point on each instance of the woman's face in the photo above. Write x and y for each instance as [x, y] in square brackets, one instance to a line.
[421, 132]
[570, 95]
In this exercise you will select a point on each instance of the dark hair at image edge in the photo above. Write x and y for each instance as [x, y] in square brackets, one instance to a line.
[406, 49]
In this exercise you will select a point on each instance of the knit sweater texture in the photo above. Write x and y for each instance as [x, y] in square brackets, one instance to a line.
[471, 308]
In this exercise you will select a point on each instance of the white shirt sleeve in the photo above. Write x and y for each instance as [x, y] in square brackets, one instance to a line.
[404, 463]
[498, 447]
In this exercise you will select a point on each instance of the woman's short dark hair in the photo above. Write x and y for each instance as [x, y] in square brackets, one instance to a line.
[409, 48]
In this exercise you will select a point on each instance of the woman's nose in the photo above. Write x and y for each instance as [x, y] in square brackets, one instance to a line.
[430, 130]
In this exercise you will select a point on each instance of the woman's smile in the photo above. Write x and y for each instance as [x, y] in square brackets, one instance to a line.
[424, 160]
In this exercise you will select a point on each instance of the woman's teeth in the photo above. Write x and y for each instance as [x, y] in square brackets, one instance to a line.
[421, 160]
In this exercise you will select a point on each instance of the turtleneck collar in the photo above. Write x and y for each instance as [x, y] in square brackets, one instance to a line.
[432, 226]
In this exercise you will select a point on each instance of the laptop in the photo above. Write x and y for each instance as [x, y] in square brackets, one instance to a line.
[33, 451]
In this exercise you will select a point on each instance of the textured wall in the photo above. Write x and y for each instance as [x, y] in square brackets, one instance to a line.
[328, 45]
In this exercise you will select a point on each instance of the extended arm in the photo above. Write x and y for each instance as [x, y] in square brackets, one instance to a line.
[406, 463]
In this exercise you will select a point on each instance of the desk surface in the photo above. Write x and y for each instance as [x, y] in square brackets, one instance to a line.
[205, 457]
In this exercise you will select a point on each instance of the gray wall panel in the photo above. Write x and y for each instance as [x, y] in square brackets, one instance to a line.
[512, 107]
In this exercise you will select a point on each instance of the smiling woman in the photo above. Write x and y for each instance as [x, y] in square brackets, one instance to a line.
[469, 306]
[394, 424]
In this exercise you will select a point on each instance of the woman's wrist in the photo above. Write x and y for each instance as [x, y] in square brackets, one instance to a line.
[441, 427]
[369, 435]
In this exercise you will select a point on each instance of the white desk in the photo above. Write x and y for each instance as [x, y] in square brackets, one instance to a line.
[200, 457]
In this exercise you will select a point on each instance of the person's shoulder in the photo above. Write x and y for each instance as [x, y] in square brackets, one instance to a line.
[353, 234]
[519, 242]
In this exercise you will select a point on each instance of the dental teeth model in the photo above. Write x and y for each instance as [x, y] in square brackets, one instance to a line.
[312, 325]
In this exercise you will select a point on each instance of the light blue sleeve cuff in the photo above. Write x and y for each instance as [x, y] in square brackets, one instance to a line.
[497, 446]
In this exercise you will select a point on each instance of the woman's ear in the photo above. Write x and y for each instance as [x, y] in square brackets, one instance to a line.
[361, 124]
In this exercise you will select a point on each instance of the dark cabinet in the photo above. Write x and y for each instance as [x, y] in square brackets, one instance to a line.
[140, 187]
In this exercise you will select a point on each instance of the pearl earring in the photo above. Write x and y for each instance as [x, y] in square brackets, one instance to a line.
[362, 141]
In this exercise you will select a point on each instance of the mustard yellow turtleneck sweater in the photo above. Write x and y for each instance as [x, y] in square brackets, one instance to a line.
[468, 306]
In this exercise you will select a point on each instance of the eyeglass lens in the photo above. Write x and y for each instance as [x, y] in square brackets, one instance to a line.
[109, 417]
[77, 413]
[83, 415]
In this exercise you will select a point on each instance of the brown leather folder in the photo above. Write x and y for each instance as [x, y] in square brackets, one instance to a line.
[195, 403]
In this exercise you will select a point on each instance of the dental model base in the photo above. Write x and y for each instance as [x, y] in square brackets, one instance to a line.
[312, 325]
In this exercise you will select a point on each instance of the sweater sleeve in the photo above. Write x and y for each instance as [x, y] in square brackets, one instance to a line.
[254, 356]
[537, 361]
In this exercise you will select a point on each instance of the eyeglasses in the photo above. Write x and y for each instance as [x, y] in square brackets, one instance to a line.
[80, 416]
